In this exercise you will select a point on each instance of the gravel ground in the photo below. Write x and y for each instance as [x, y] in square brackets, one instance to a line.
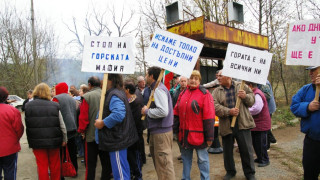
[285, 158]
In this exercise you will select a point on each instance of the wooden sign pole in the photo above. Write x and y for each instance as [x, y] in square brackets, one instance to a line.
[234, 118]
[103, 94]
[316, 96]
[152, 92]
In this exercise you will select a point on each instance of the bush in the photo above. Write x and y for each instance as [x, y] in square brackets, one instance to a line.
[283, 115]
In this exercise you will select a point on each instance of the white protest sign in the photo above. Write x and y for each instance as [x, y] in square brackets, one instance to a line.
[303, 43]
[247, 64]
[172, 52]
[108, 55]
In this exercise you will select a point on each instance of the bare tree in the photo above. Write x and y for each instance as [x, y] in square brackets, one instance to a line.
[314, 7]
[99, 23]
[213, 10]
[16, 61]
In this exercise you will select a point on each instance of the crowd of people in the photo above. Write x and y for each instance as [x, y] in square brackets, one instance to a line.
[63, 119]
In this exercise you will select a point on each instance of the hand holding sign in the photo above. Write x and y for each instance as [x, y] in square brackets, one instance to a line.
[108, 55]
[303, 45]
[172, 52]
[246, 64]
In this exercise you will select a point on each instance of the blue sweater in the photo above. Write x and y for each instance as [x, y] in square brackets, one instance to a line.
[118, 113]
[310, 121]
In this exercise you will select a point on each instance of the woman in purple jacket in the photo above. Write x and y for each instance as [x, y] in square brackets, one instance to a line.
[260, 114]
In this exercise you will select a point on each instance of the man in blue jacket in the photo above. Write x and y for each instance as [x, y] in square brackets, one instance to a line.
[304, 106]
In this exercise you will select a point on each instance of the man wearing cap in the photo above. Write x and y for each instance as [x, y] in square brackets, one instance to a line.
[304, 106]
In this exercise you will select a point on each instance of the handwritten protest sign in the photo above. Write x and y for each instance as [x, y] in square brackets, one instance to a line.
[303, 43]
[247, 64]
[108, 55]
[172, 52]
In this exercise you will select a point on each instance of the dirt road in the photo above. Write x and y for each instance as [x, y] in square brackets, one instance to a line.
[285, 158]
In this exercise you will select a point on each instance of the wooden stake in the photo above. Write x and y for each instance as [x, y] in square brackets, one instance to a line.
[234, 118]
[316, 96]
[285, 56]
[152, 92]
[103, 94]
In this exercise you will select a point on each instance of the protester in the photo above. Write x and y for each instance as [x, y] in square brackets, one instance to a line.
[69, 114]
[267, 90]
[78, 138]
[29, 98]
[306, 106]
[88, 112]
[176, 85]
[74, 94]
[53, 91]
[224, 103]
[260, 114]
[83, 89]
[135, 151]
[143, 125]
[141, 84]
[160, 121]
[215, 147]
[212, 83]
[194, 114]
[73, 87]
[117, 130]
[11, 130]
[46, 132]
[183, 81]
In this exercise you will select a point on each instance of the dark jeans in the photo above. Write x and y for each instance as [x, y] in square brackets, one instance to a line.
[244, 141]
[142, 149]
[270, 138]
[259, 142]
[8, 164]
[72, 148]
[311, 159]
[134, 159]
[80, 145]
[91, 155]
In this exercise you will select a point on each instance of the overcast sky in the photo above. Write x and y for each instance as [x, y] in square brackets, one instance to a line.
[58, 12]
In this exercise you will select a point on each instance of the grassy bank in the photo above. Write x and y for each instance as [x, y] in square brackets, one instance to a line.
[283, 116]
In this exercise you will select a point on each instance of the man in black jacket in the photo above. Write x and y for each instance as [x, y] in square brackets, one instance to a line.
[117, 130]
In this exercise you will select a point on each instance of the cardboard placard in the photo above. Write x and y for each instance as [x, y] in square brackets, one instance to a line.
[247, 64]
[303, 43]
[173, 52]
[108, 55]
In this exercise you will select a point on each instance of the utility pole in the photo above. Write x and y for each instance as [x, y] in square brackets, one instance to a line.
[34, 45]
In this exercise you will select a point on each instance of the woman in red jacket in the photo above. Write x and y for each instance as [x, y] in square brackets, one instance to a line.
[194, 121]
[11, 130]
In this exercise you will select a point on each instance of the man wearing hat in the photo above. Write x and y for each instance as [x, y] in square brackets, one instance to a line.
[306, 106]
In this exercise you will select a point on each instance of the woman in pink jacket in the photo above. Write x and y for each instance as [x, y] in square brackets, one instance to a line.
[11, 130]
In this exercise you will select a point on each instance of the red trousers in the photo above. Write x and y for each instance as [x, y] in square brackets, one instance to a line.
[48, 158]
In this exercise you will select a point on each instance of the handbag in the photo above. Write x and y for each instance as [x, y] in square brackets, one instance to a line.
[68, 169]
